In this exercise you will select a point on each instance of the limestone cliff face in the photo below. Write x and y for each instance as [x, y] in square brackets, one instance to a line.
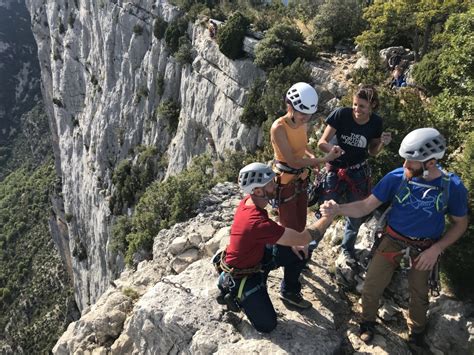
[104, 74]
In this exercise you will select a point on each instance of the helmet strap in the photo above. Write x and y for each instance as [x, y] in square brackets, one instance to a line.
[425, 171]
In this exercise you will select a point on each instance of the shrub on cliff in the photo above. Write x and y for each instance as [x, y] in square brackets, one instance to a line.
[230, 36]
[175, 30]
[131, 177]
[166, 203]
[282, 44]
[254, 113]
[458, 260]
[159, 27]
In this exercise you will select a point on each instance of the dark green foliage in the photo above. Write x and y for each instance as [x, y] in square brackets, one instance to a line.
[458, 259]
[71, 19]
[169, 110]
[175, 30]
[337, 20]
[138, 30]
[166, 203]
[121, 228]
[34, 288]
[407, 23]
[282, 44]
[253, 113]
[228, 168]
[402, 111]
[374, 74]
[426, 73]
[184, 54]
[279, 81]
[230, 36]
[61, 28]
[94, 80]
[131, 177]
[159, 27]
[57, 102]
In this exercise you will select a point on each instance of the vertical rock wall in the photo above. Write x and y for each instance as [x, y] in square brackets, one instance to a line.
[101, 70]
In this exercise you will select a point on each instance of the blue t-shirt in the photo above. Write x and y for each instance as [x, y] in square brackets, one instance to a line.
[420, 213]
[354, 138]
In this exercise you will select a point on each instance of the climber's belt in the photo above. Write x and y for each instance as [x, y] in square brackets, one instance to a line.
[285, 168]
[422, 243]
[330, 167]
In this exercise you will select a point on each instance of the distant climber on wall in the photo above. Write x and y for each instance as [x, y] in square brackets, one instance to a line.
[253, 252]
[420, 194]
[212, 27]
[358, 131]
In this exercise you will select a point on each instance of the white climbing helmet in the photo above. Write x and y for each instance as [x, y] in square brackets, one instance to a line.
[255, 175]
[303, 97]
[423, 144]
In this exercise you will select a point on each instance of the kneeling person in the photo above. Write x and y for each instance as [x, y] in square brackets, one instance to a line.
[250, 256]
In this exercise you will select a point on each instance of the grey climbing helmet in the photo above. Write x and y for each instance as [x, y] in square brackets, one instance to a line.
[303, 98]
[423, 144]
[255, 175]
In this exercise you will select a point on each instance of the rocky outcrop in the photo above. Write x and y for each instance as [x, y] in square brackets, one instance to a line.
[168, 304]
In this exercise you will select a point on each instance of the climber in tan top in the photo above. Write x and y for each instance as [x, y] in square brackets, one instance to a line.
[293, 158]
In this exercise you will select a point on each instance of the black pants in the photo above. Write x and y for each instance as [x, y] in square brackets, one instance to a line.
[255, 301]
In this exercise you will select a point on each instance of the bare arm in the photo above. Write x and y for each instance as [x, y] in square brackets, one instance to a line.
[279, 137]
[427, 259]
[355, 209]
[314, 232]
[323, 142]
[376, 145]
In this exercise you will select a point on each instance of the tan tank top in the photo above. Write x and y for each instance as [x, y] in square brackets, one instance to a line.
[298, 139]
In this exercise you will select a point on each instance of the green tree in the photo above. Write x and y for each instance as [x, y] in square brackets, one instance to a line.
[327, 25]
[230, 36]
[282, 44]
[254, 113]
[279, 81]
[410, 23]
[175, 30]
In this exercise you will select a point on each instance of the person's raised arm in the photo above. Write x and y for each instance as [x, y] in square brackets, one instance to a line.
[323, 142]
[314, 232]
[355, 209]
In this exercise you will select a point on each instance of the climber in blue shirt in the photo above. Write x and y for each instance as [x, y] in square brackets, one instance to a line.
[420, 194]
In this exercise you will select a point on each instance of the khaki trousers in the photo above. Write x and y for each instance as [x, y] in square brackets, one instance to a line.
[378, 277]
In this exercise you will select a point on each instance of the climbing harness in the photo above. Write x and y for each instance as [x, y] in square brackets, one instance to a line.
[343, 176]
[175, 284]
[299, 181]
[316, 188]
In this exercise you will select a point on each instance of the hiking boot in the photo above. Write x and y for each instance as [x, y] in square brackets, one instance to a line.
[367, 331]
[296, 300]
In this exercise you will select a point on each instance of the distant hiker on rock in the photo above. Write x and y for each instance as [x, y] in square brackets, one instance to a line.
[253, 252]
[420, 194]
[398, 78]
[293, 158]
[358, 132]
